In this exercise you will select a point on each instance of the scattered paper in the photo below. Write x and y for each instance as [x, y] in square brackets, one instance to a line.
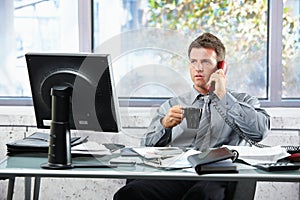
[179, 161]
[90, 148]
[255, 155]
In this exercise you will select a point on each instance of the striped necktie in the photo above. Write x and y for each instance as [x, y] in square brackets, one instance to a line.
[202, 141]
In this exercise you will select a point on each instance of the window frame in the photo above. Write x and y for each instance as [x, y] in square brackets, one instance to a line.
[274, 60]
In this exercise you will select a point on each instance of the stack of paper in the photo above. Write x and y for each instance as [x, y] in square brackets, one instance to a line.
[168, 151]
[255, 155]
[157, 152]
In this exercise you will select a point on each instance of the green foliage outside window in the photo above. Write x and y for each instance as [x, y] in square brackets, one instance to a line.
[290, 54]
[245, 22]
[242, 25]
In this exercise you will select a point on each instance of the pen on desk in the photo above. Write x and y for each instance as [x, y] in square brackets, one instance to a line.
[94, 166]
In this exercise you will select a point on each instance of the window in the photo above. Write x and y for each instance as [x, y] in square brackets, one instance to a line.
[291, 50]
[148, 42]
[283, 54]
[33, 26]
[152, 61]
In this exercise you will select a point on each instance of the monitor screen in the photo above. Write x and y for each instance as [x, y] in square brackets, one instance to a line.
[88, 78]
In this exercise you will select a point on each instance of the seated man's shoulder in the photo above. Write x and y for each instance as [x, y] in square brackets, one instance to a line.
[242, 96]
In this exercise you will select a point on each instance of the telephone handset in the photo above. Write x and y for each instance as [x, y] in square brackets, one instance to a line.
[220, 65]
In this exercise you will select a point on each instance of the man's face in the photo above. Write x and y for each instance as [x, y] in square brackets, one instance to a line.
[203, 62]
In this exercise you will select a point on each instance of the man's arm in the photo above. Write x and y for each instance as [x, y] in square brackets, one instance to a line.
[244, 111]
[156, 132]
[159, 132]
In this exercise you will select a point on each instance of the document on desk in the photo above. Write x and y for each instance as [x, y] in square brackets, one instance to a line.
[169, 161]
[90, 148]
[157, 152]
[255, 155]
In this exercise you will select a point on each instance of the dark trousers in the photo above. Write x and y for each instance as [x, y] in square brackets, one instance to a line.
[176, 190]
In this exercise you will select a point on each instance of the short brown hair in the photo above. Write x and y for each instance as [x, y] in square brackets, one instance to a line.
[208, 40]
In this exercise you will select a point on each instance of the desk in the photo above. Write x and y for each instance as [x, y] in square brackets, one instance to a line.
[29, 166]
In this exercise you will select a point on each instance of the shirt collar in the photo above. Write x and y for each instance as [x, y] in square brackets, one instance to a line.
[195, 95]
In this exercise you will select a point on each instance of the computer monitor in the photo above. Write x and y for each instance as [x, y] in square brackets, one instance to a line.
[71, 91]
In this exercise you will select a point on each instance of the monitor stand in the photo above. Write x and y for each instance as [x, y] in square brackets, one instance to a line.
[59, 153]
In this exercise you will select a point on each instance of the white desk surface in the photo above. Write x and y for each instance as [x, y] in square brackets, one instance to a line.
[25, 166]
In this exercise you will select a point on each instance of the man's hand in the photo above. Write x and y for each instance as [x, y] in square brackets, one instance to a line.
[174, 117]
[217, 81]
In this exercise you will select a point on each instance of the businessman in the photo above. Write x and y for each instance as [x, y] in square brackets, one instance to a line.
[218, 103]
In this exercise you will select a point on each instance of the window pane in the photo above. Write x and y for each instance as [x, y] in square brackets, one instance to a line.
[33, 26]
[136, 48]
[291, 50]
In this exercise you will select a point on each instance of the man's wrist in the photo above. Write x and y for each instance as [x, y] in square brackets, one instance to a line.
[164, 122]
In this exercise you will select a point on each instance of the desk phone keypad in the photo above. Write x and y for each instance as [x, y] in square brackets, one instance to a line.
[279, 166]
